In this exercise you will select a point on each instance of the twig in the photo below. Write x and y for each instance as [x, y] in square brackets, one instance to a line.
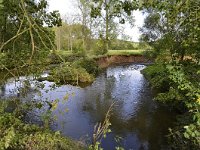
[8, 41]
[30, 30]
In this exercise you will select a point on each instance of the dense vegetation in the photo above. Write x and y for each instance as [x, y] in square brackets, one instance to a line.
[15, 134]
[26, 38]
[30, 35]
[83, 70]
[172, 28]
[71, 40]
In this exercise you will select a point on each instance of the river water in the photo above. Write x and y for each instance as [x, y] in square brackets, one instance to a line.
[138, 123]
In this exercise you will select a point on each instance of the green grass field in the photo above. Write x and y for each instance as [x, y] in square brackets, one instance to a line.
[125, 52]
[109, 53]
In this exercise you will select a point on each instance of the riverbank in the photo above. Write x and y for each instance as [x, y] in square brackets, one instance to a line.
[134, 112]
[106, 61]
[177, 86]
[16, 134]
[83, 68]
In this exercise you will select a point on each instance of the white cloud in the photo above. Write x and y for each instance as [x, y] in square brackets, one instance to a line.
[67, 7]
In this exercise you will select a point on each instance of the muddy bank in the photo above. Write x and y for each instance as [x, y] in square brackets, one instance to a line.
[106, 61]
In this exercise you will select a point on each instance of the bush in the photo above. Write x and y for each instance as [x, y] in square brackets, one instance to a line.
[100, 47]
[157, 75]
[17, 135]
[67, 73]
[88, 64]
[14, 59]
[150, 54]
[182, 93]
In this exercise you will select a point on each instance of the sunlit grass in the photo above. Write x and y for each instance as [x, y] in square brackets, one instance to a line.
[126, 52]
[109, 53]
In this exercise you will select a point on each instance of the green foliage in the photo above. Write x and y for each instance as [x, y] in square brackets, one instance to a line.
[70, 37]
[100, 47]
[15, 134]
[150, 54]
[14, 59]
[121, 44]
[108, 11]
[101, 130]
[24, 39]
[88, 64]
[64, 56]
[172, 29]
[157, 75]
[182, 93]
[125, 52]
[67, 73]
[117, 8]
[191, 94]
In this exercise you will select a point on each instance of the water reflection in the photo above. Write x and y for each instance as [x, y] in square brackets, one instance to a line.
[140, 122]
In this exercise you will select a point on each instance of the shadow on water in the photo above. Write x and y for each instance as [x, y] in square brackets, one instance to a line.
[139, 121]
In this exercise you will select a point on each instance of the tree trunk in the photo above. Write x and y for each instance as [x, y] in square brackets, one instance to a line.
[84, 24]
[107, 23]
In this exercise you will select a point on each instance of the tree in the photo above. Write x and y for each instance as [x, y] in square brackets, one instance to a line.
[23, 22]
[94, 25]
[71, 37]
[177, 22]
[109, 10]
[83, 6]
[174, 26]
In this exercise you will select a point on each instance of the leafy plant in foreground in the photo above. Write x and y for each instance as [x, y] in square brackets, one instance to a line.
[15, 134]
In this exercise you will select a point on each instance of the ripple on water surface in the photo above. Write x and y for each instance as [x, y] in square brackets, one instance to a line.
[136, 118]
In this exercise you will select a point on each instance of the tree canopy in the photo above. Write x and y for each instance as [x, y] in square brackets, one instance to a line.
[25, 26]
[172, 28]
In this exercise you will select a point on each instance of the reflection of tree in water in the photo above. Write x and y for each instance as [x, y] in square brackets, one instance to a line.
[145, 120]
[3, 77]
[150, 123]
[134, 115]
[2, 90]
[98, 98]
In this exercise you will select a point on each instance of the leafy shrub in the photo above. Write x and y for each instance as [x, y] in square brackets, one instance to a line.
[54, 58]
[100, 47]
[151, 54]
[66, 73]
[182, 92]
[88, 64]
[15, 134]
[157, 75]
[188, 129]
[14, 59]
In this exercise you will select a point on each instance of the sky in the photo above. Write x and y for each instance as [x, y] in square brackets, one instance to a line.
[67, 7]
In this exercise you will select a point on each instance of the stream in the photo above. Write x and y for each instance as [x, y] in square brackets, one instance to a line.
[138, 122]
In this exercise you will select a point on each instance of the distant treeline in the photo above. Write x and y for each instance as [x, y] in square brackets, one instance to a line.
[69, 37]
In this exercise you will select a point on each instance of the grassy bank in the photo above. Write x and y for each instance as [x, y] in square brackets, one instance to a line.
[177, 87]
[109, 53]
[15, 134]
[125, 52]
